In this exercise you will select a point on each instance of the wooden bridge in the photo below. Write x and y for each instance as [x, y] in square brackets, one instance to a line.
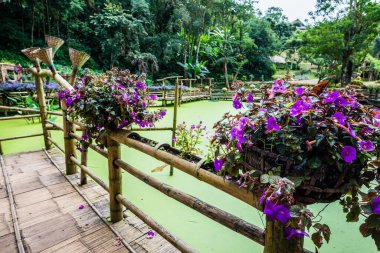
[42, 210]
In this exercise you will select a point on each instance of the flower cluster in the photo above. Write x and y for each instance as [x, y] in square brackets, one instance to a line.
[330, 139]
[112, 100]
[188, 138]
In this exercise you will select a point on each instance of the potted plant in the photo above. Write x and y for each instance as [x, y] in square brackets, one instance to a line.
[299, 146]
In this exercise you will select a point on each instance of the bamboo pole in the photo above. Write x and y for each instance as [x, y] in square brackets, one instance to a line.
[152, 129]
[276, 242]
[92, 146]
[56, 144]
[10, 108]
[214, 213]
[20, 117]
[84, 158]
[68, 128]
[115, 180]
[91, 174]
[176, 242]
[174, 120]
[16, 227]
[43, 111]
[54, 124]
[20, 137]
[219, 182]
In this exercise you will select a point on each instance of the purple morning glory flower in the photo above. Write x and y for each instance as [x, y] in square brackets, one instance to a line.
[341, 102]
[152, 97]
[140, 85]
[282, 213]
[299, 107]
[376, 205]
[366, 130]
[348, 154]
[332, 96]
[69, 101]
[77, 96]
[298, 91]
[340, 118]
[250, 98]
[366, 145]
[276, 212]
[61, 95]
[237, 104]
[81, 206]
[218, 163]
[292, 232]
[272, 124]
[270, 210]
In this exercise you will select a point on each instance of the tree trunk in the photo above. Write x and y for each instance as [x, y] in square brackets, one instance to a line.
[349, 71]
[226, 72]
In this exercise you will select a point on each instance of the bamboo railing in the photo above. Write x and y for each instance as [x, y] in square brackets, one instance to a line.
[272, 237]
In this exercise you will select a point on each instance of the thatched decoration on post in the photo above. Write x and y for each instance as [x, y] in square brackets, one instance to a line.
[46, 56]
[78, 58]
[54, 42]
[29, 52]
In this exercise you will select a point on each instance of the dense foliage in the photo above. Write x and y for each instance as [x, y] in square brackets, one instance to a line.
[112, 100]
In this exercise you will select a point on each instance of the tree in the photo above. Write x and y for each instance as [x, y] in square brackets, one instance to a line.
[355, 24]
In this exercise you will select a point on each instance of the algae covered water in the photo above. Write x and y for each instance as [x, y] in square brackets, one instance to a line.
[200, 232]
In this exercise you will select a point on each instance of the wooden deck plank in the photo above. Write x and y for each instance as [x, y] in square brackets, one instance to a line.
[8, 243]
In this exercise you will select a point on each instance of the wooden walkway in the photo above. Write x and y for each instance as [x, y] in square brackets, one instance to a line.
[49, 215]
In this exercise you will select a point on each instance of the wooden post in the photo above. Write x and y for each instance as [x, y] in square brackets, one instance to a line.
[115, 179]
[1, 149]
[176, 91]
[275, 239]
[43, 111]
[68, 128]
[164, 92]
[84, 158]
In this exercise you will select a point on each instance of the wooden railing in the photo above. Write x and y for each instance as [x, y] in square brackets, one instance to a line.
[273, 238]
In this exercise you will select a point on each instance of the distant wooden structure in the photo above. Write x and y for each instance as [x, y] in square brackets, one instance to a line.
[5, 68]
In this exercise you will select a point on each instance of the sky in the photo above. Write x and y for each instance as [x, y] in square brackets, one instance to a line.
[293, 9]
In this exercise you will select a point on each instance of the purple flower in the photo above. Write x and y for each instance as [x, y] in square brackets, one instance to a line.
[291, 232]
[366, 145]
[341, 102]
[237, 104]
[69, 101]
[298, 91]
[340, 118]
[376, 205]
[81, 206]
[270, 210]
[152, 97]
[348, 154]
[299, 107]
[140, 85]
[276, 212]
[218, 163]
[150, 234]
[332, 96]
[250, 98]
[61, 95]
[351, 131]
[272, 125]
[85, 137]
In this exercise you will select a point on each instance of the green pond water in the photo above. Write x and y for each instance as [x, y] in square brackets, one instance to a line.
[202, 233]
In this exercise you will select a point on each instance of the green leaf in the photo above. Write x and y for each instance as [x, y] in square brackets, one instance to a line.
[264, 179]
[315, 162]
